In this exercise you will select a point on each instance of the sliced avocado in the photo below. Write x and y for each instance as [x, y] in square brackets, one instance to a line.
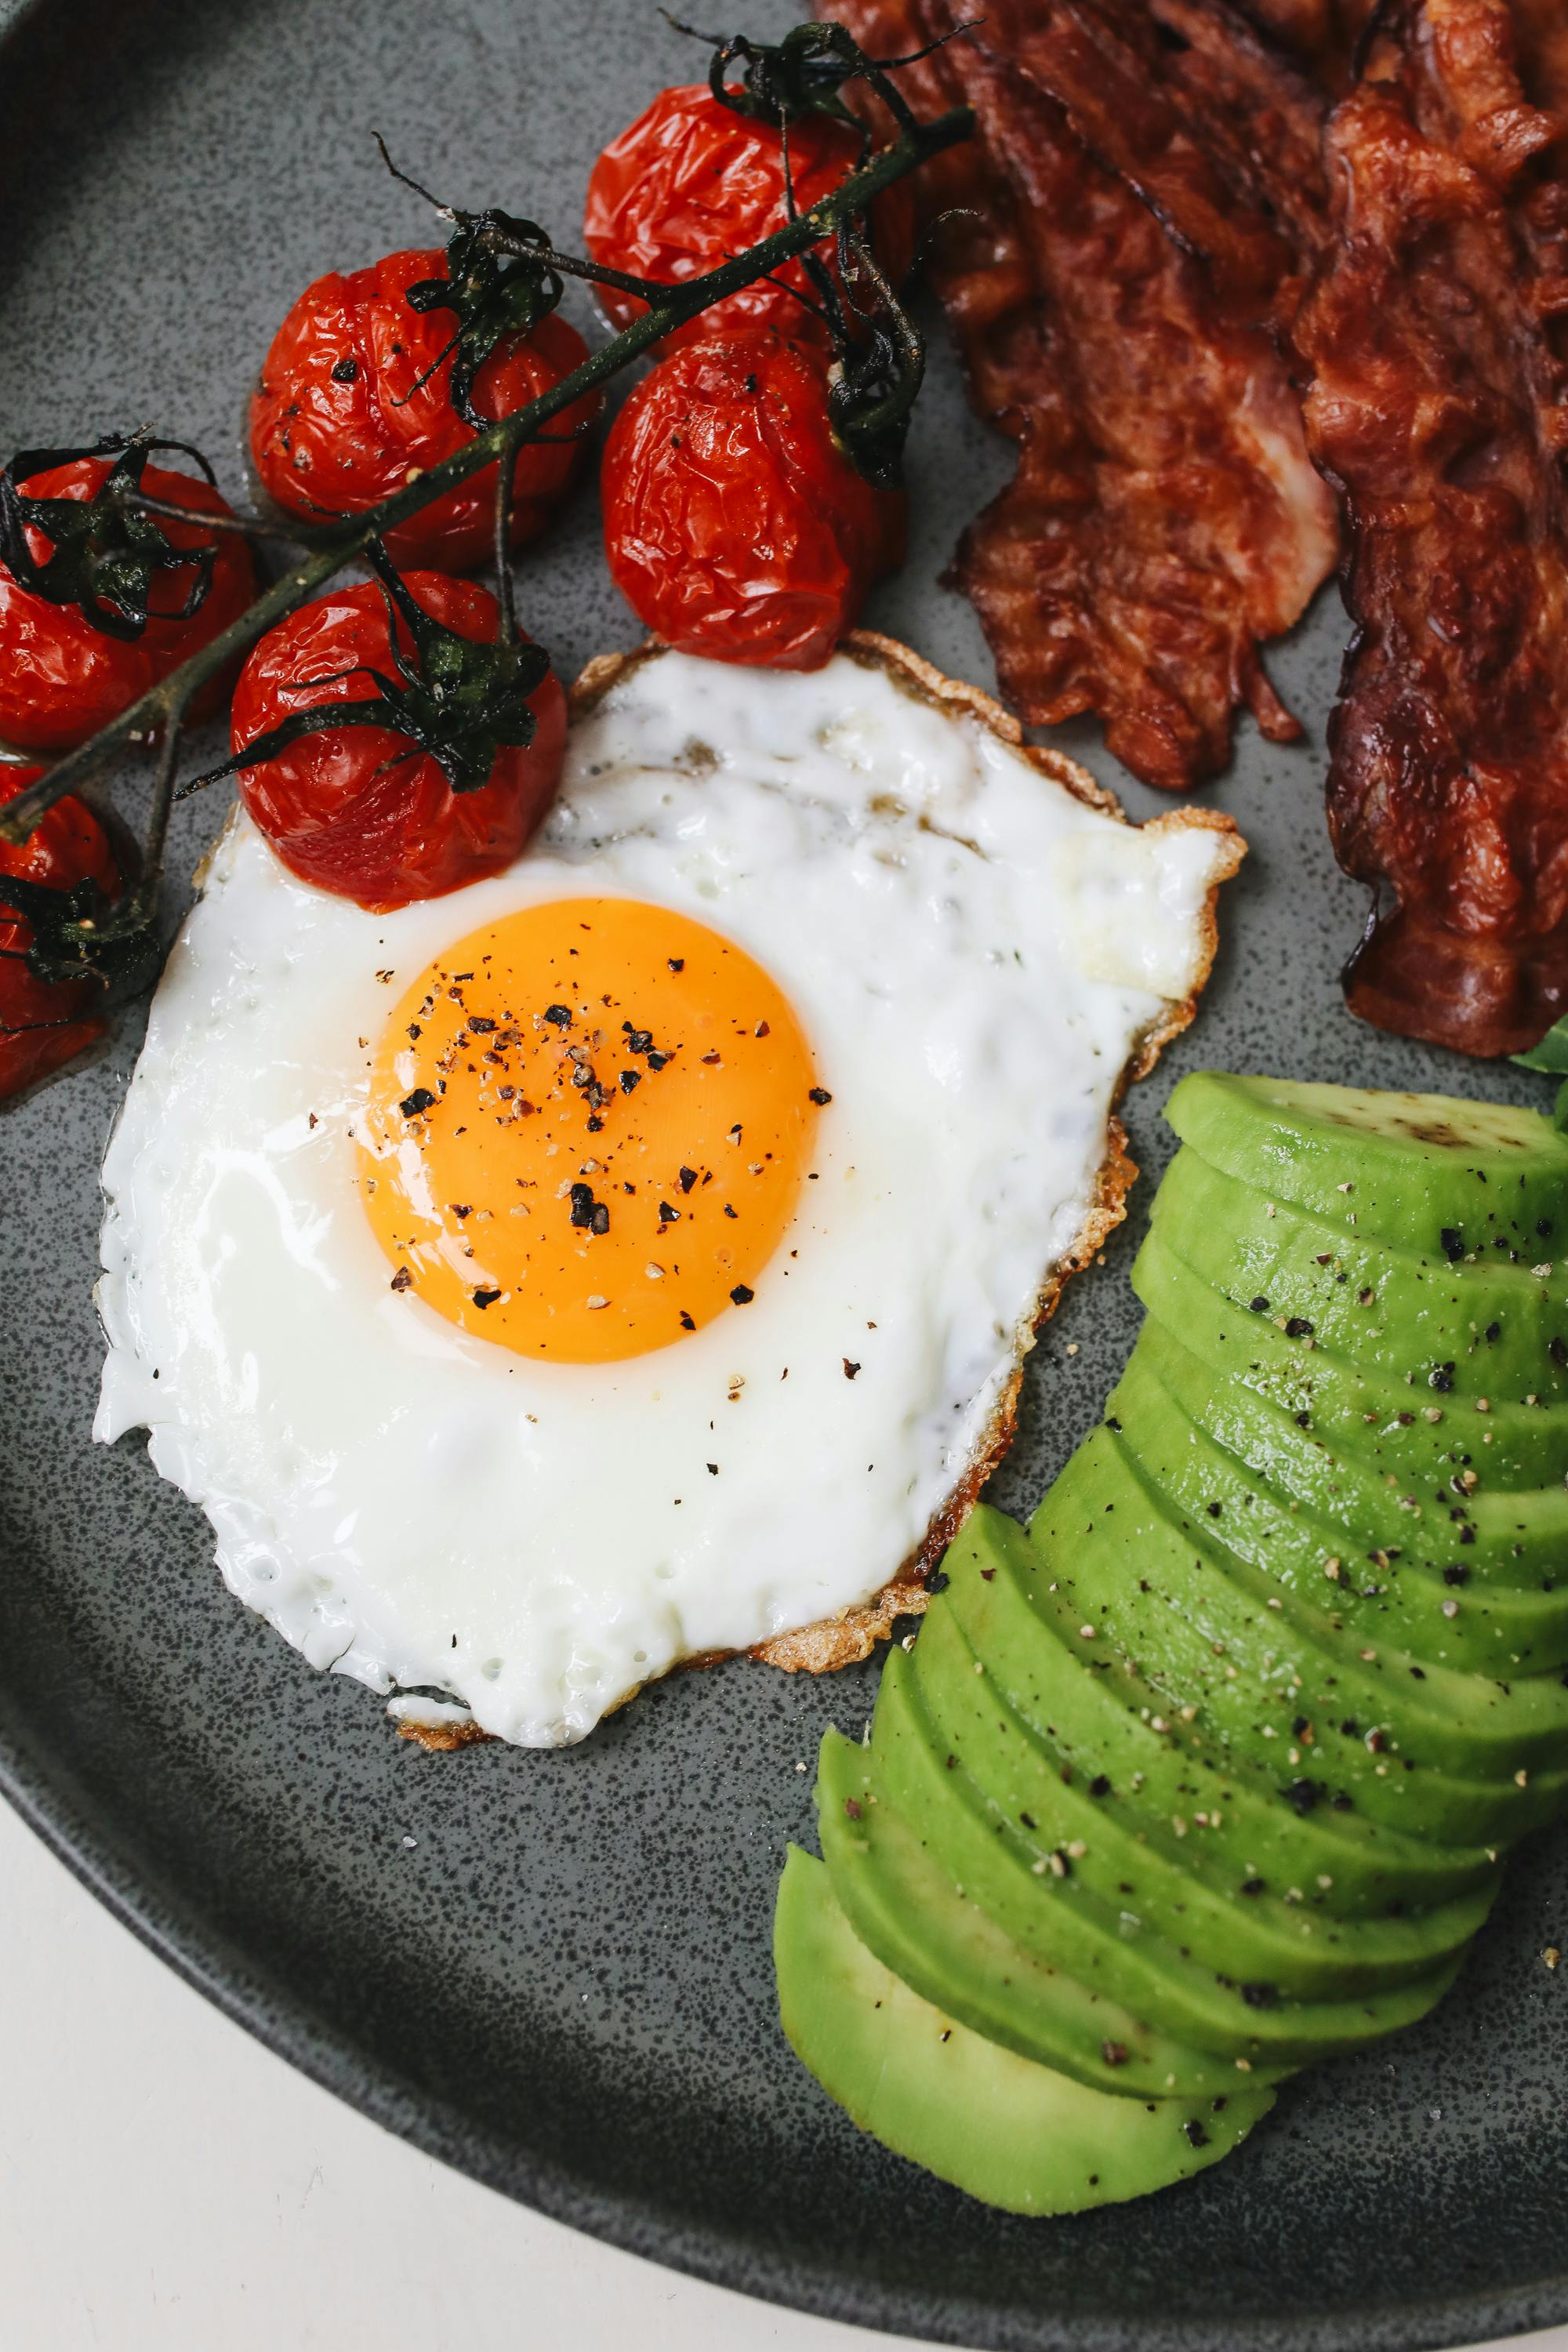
[1472, 1724]
[1423, 1171]
[1249, 1671]
[1329, 1529]
[1116, 1847]
[1005, 2130]
[1268, 1829]
[1497, 1328]
[1397, 1428]
[920, 1922]
[1037, 1896]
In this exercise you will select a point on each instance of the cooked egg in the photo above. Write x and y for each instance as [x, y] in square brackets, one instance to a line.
[624, 1259]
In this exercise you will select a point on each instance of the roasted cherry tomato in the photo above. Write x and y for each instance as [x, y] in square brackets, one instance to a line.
[337, 423]
[734, 525]
[693, 181]
[360, 809]
[44, 1023]
[61, 679]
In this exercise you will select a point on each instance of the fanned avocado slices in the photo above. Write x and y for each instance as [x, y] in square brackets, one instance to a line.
[1496, 1324]
[1209, 1771]
[1010, 2132]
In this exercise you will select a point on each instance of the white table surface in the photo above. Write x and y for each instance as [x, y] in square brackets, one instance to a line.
[166, 2185]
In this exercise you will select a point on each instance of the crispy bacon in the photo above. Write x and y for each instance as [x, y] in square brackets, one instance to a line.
[1435, 406]
[1111, 314]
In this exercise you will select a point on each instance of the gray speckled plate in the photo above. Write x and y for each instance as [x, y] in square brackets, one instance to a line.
[553, 1969]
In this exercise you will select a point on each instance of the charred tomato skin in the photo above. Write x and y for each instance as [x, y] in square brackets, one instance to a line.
[46, 1023]
[691, 182]
[60, 678]
[336, 813]
[734, 525]
[336, 423]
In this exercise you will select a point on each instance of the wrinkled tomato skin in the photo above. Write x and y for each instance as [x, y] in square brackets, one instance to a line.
[46, 1023]
[60, 678]
[734, 525]
[691, 182]
[383, 840]
[327, 442]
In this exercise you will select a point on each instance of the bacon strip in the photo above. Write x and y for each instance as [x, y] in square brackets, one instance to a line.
[1164, 517]
[1435, 407]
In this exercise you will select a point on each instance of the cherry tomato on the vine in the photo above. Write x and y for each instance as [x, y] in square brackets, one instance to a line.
[61, 679]
[691, 182]
[734, 525]
[340, 420]
[350, 809]
[44, 1022]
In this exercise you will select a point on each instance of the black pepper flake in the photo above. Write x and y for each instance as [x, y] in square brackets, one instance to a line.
[1493, 1333]
[414, 1032]
[559, 1015]
[728, 1212]
[1303, 1421]
[1252, 1886]
[1196, 2136]
[656, 1061]
[686, 1322]
[630, 1079]
[1260, 1996]
[480, 1024]
[637, 1040]
[712, 1469]
[1099, 1786]
[849, 1368]
[1114, 2053]
[1456, 1574]
[676, 963]
[415, 1105]
[1214, 1509]
[1557, 1351]
[1298, 1327]
[852, 1807]
[1112, 1423]
[486, 1297]
[345, 370]
[589, 1216]
[1303, 1795]
[1441, 1377]
[595, 1126]
[403, 1279]
[818, 1094]
[741, 1296]
[1453, 1243]
[667, 1215]
[686, 1178]
[1259, 1304]
[1028, 1820]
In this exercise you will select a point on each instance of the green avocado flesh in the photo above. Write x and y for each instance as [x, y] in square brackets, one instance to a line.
[1007, 2130]
[1498, 1328]
[1407, 1170]
[1209, 1772]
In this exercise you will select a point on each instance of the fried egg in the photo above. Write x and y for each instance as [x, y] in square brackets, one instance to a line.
[627, 1258]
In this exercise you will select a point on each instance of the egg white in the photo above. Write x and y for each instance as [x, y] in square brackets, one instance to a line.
[974, 954]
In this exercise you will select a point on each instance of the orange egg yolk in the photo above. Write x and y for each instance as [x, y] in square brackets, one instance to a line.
[588, 1130]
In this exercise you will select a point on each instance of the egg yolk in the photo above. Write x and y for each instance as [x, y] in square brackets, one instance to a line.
[588, 1129]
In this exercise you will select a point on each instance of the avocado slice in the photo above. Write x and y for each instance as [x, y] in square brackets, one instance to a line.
[1472, 1724]
[909, 1910]
[1496, 1329]
[1425, 1172]
[1268, 1832]
[1328, 1529]
[1007, 2131]
[1251, 1671]
[1394, 1428]
[1116, 1847]
[1038, 1894]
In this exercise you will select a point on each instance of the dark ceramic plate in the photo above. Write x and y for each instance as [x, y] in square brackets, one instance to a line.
[554, 1970]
